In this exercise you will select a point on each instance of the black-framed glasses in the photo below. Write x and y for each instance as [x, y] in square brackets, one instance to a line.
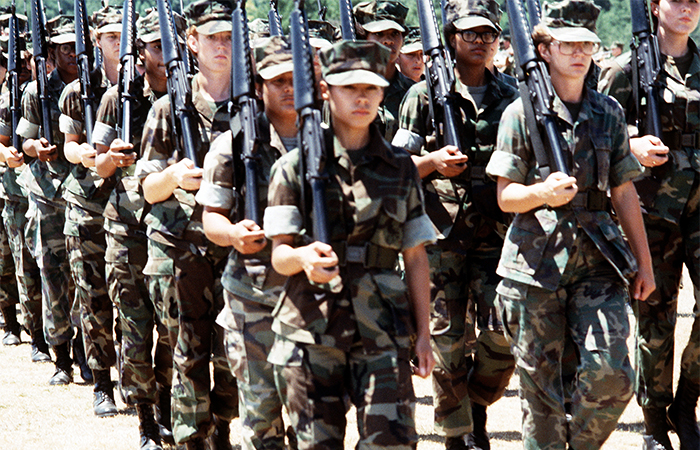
[567, 48]
[487, 37]
[66, 49]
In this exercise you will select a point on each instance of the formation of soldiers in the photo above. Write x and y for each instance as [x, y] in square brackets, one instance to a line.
[461, 262]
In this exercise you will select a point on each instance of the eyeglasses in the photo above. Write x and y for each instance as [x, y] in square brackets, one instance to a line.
[567, 48]
[66, 49]
[487, 37]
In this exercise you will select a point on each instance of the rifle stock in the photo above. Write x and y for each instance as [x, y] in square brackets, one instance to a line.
[84, 54]
[127, 73]
[41, 54]
[646, 65]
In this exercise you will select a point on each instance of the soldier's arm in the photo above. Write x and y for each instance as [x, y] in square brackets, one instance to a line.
[77, 152]
[245, 236]
[315, 259]
[418, 282]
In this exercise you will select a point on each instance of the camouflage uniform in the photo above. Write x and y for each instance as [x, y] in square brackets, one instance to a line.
[464, 211]
[351, 336]
[565, 272]
[184, 276]
[670, 196]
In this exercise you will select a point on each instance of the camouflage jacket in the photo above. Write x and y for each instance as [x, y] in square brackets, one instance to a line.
[538, 242]
[375, 210]
[126, 207]
[177, 221]
[249, 276]
[43, 179]
[665, 191]
[83, 186]
[446, 197]
[10, 189]
[388, 115]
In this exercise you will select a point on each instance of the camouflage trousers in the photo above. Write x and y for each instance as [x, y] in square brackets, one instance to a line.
[86, 245]
[671, 246]
[248, 338]
[468, 368]
[316, 379]
[9, 295]
[45, 239]
[28, 277]
[186, 289]
[586, 312]
[144, 370]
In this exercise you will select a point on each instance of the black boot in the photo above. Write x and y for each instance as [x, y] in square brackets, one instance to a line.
[40, 349]
[197, 443]
[64, 366]
[148, 428]
[221, 439]
[12, 328]
[79, 357]
[681, 414]
[479, 438]
[104, 394]
[656, 423]
[163, 408]
[455, 443]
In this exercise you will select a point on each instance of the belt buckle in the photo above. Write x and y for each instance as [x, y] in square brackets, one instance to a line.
[356, 254]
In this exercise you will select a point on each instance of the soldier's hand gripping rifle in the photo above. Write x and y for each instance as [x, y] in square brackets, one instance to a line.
[347, 20]
[14, 67]
[311, 139]
[439, 78]
[244, 110]
[537, 94]
[85, 56]
[646, 66]
[273, 19]
[184, 114]
[127, 73]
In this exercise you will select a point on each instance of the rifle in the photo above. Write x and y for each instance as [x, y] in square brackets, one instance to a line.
[537, 94]
[127, 57]
[646, 65]
[311, 139]
[85, 55]
[273, 19]
[14, 65]
[321, 11]
[41, 54]
[184, 115]
[347, 20]
[439, 79]
[244, 104]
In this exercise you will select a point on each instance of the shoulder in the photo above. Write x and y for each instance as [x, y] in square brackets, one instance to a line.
[605, 103]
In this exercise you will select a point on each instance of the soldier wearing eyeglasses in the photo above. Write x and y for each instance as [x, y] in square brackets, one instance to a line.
[461, 203]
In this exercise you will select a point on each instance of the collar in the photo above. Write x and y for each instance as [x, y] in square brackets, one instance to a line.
[377, 147]
[589, 108]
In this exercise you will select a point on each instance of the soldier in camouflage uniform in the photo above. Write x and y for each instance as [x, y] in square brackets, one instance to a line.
[383, 21]
[86, 194]
[670, 195]
[461, 202]
[43, 181]
[184, 269]
[146, 375]
[252, 285]
[345, 322]
[566, 268]
[411, 62]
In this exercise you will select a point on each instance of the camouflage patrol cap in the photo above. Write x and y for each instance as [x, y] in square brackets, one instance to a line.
[210, 16]
[321, 34]
[148, 26]
[465, 15]
[571, 20]
[5, 20]
[107, 20]
[61, 29]
[275, 58]
[380, 15]
[412, 42]
[355, 62]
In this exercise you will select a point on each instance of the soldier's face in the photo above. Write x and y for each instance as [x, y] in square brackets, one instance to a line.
[109, 43]
[392, 39]
[411, 64]
[64, 57]
[153, 59]
[278, 97]
[213, 51]
[677, 17]
[573, 67]
[476, 53]
[355, 106]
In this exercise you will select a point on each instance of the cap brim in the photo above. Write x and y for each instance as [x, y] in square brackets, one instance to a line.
[63, 39]
[573, 34]
[110, 28]
[214, 26]
[469, 22]
[320, 43]
[410, 48]
[151, 37]
[359, 76]
[382, 25]
[269, 73]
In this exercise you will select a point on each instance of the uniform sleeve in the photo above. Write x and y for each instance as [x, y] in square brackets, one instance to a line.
[624, 166]
[282, 215]
[156, 143]
[513, 158]
[29, 124]
[615, 82]
[418, 228]
[107, 118]
[5, 119]
[216, 190]
[412, 119]
[72, 119]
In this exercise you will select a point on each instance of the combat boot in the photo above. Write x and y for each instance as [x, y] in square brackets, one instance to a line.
[163, 408]
[64, 366]
[479, 438]
[197, 443]
[221, 439]
[79, 357]
[40, 349]
[104, 394]
[148, 428]
[455, 443]
[12, 328]
[681, 414]
[656, 423]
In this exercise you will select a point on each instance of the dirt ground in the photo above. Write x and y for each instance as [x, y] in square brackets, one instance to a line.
[36, 416]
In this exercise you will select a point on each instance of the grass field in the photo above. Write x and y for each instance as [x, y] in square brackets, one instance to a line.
[36, 416]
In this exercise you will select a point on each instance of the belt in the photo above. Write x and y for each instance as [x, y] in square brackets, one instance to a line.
[591, 200]
[371, 256]
[675, 139]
